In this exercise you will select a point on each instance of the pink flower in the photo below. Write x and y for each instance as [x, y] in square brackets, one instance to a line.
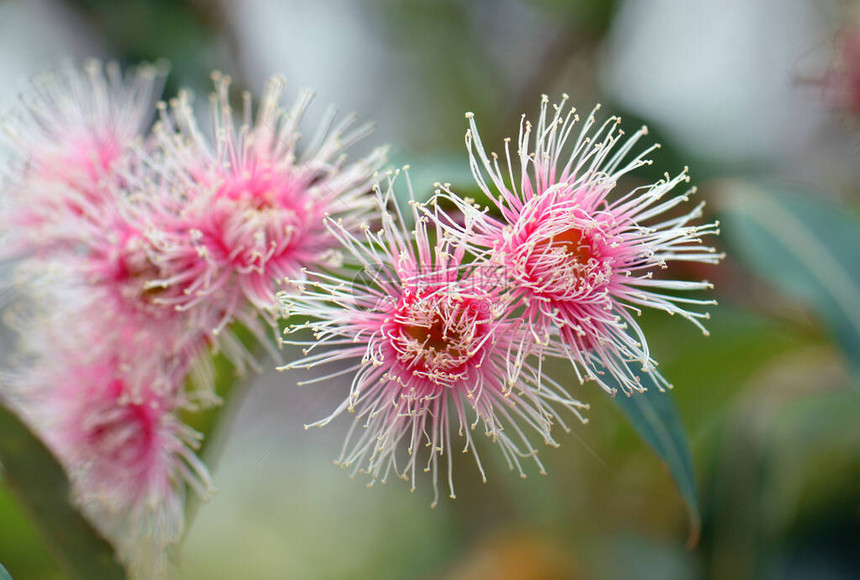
[66, 137]
[114, 428]
[113, 270]
[580, 257]
[842, 81]
[246, 212]
[77, 147]
[435, 351]
[119, 303]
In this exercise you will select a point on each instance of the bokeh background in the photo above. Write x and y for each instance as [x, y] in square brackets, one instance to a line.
[741, 91]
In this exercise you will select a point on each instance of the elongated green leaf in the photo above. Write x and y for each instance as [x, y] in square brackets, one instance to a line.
[806, 247]
[40, 484]
[654, 416]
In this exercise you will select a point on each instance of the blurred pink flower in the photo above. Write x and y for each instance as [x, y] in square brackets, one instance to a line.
[246, 212]
[78, 150]
[67, 137]
[110, 265]
[581, 259]
[842, 81]
[114, 428]
[435, 351]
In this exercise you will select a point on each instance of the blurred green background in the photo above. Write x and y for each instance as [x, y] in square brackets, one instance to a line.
[770, 401]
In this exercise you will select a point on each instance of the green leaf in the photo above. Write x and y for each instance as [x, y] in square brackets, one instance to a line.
[654, 416]
[807, 247]
[4, 574]
[39, 483]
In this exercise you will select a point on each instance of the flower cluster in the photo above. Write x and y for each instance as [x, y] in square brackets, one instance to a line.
[434, 346]
[140, 240]
[448, 326]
